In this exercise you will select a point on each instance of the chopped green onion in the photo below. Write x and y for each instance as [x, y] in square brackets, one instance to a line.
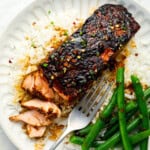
[66, 33]
[52, 56]
[45, 65]
[81, 33]
[97, 53]
[52, 23]
[33, 45]
[83, 43]
[49, 12]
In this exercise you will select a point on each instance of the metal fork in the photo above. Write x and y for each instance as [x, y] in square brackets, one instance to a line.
[85, 111]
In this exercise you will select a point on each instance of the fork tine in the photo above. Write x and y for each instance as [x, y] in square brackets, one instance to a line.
[99, 96]
[92, 114]
[87, 98]
[93, 96]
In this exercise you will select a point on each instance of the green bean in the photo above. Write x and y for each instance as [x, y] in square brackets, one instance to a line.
[139, 136]
[112, 141]
[79, 140]
[110, 132]
[147, 93]
[89, 139]
[76, 139]
[84, 131]
[129, 107]
[134, 138]
[121, 110]
[142, 107]
[96, 128]
[114, 128]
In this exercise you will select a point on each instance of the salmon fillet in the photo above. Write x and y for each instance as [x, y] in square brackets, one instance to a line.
[72, 67]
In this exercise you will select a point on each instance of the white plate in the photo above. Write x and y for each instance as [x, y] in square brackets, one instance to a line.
[21, 25]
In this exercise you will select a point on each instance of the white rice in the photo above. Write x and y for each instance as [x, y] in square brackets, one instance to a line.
[140, 64]
[40, 33]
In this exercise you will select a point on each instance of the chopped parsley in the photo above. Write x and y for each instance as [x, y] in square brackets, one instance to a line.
[92, 74]
[33, 44]
[97, 54]
[83, 43]
[81, 33]
[52, 56]
[45, 65]
[66, 33]
[52, 23]
[49, 12]
[124, 27]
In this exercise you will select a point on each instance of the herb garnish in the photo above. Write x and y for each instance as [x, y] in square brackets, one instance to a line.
[81, 33]
[52, 23]
[83, 43]
[45, 65]
[49, 12]
[66, 33]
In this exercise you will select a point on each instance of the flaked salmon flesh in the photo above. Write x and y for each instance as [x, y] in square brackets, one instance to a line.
[32, 117]
[45, 106]
[35, 132]
[36, 83]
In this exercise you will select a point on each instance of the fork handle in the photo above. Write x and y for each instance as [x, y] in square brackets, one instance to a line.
[54, 146]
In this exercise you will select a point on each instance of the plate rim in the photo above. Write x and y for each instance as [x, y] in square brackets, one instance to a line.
[18, 16]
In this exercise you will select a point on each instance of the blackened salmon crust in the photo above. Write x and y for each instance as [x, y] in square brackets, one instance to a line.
[79, 61]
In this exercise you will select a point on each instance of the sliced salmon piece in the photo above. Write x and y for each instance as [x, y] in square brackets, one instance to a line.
[35, 132]
[36, 83]
[45, 106]
[28, 83]
[32, 117]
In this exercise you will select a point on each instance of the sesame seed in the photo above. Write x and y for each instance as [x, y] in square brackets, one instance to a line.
[112, 27]
[117, 25]
[78, 57]
[52, 77]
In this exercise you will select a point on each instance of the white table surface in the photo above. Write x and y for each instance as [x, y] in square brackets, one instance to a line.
[8, 10]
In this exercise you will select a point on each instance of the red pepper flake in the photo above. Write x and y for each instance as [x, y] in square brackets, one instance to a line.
[136, 54]
[74, 23]
[33, 23]
[107, 54]
[74, 60]
[66, 64]
[75, 51]
[10, 61]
